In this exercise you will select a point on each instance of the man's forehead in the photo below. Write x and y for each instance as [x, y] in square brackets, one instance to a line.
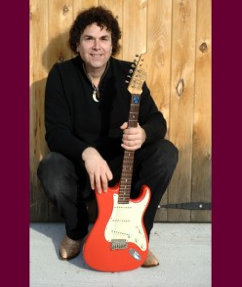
[94, 28]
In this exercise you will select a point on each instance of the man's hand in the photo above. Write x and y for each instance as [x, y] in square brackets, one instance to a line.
[97, 168]
[133, 138]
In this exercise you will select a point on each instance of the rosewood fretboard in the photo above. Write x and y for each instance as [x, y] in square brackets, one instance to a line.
[128, 160]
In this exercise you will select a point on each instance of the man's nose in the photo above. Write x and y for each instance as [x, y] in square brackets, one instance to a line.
[96, 44]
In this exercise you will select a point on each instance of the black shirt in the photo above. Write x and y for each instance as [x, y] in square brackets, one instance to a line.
[74, 121]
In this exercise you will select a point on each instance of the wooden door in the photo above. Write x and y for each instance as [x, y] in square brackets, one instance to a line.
[177, 36]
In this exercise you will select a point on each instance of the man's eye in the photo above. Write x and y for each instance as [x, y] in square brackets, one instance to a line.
[87, 38]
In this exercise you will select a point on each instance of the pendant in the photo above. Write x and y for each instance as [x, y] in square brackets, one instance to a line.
[94, 95]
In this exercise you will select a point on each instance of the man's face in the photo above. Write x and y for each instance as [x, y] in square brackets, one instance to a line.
[95, 47]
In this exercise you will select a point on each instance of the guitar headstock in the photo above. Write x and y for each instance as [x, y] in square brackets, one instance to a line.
[139, 75]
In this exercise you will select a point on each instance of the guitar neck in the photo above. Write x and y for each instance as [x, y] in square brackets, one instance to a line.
[134, 111]
[128, 160]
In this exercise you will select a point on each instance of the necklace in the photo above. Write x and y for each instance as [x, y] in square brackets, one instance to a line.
[95, 94]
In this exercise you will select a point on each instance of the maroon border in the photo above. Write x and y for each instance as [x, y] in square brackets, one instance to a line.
[14, 143]
[226, 143]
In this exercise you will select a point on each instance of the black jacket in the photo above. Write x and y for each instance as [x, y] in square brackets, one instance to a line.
[75, 121]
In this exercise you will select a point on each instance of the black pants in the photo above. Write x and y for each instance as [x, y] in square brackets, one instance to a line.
[67, 185]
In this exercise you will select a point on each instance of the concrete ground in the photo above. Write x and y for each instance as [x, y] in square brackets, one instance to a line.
[183, 249]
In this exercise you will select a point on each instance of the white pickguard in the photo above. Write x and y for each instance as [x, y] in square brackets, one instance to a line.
[126, 222]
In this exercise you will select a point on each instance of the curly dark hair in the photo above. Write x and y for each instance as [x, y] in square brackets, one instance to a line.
[101, 16]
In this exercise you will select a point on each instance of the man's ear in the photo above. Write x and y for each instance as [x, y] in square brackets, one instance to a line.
[77, 47]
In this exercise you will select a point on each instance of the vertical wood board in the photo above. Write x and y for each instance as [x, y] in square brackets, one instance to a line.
[38, 40]
[201, 156]
[182, 102]
[158, 76]
[134, 28]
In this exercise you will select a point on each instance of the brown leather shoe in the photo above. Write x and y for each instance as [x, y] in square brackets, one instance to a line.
[151, 260]
[69, 248]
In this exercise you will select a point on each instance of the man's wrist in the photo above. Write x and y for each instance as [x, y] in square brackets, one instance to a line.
[87, 152]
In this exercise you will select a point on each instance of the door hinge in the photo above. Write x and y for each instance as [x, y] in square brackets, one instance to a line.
[189, 205]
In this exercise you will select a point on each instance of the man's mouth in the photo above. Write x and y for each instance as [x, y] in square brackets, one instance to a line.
[96, 55]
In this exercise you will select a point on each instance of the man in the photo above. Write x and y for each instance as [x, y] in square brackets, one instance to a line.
[86, 111]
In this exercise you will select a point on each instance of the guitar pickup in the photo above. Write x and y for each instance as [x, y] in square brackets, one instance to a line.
[117, 244]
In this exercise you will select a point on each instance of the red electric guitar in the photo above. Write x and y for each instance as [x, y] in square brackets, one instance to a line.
[118, 239]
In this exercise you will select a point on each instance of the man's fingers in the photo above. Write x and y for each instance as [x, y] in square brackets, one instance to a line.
[92, 181]
[104, 183]
[124, 126]
[98, 184]
[109, 175]
[101, 182]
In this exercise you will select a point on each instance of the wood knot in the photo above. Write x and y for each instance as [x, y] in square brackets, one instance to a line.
[65, 9]
[143, 5]
[203, 47]
[180, 87]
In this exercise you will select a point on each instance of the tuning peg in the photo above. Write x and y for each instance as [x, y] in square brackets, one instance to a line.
[129, 76]
[127, 82]
[131, 71]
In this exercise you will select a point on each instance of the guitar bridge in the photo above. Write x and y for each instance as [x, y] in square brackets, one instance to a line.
[118, 244]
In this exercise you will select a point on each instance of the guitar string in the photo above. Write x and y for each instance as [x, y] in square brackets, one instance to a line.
[122, 223]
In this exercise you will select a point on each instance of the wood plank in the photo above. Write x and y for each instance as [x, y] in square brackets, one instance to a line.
[134, 28]
[116, 6]
[158, 76]
[60, 19]
[182, 98]
[79, 5]
[159, 47]
[201, 157]
[38, 73]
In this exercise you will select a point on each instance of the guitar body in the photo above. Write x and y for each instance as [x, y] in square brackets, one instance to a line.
[118, 240]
